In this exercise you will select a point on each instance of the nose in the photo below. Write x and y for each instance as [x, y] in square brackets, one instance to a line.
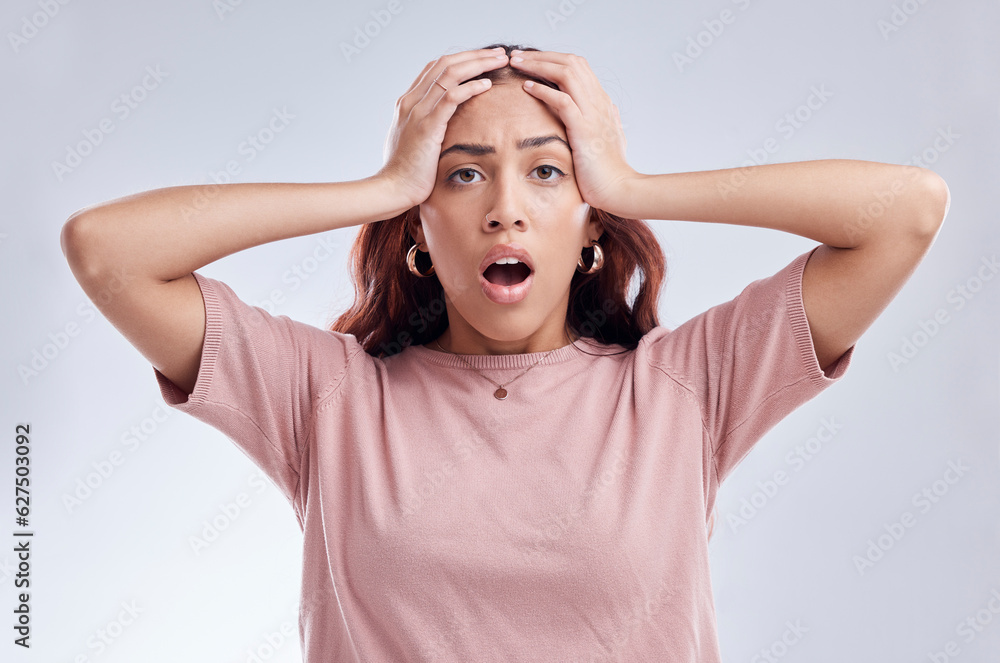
[493, 222]
[508, 209]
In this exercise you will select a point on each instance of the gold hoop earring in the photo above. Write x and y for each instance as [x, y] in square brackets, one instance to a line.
[411, 262]
[597, 264]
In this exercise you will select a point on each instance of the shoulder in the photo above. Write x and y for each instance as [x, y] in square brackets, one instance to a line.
[277, 343]
[665, 350]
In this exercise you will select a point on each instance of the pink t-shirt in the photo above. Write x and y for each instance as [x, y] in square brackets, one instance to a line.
[566, 523]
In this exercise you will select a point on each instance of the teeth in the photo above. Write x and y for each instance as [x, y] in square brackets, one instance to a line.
[507, 261]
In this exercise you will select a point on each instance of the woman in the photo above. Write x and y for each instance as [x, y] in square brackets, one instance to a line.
[497, 453]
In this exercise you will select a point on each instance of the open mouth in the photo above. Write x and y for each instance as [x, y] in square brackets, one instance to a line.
[507, 271]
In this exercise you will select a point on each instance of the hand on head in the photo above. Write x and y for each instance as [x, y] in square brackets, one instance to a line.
[592, 121]
[422, 113]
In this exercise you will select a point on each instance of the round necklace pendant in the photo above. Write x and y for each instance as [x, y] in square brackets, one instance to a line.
[500, 393]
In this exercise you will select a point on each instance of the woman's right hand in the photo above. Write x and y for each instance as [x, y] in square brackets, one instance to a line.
[421, 118]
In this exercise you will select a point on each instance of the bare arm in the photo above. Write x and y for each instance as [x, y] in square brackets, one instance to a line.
[134, 256]
[877, 221]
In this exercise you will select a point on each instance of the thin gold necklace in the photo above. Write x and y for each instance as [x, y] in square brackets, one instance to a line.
[500, 393]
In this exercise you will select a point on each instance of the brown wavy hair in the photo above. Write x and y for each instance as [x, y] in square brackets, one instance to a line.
[394, 309]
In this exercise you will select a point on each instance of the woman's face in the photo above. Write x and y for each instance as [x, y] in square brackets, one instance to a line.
[529, 194]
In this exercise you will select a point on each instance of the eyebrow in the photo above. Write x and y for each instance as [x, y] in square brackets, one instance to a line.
[477, 149]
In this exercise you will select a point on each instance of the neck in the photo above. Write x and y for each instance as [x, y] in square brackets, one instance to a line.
[470, 345]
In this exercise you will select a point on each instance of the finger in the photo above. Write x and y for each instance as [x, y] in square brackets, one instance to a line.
[420, 77]
[545, 64]
[452, 74]
[571, 77]
[448, 64]
[426, 78]
[561, 102]
[568, 60]
[448, 102]
[555, 56]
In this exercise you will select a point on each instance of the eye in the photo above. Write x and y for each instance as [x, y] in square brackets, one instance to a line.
[549, 168]
[457, 183]
[451, 178]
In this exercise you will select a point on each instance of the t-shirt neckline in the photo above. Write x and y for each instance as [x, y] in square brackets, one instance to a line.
[559, 355]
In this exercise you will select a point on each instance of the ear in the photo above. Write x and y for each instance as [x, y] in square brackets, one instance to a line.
[416, 228]
[594, 227]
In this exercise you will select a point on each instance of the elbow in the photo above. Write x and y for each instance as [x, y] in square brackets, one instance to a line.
[69, 234]
[79, 245]
[934, 202]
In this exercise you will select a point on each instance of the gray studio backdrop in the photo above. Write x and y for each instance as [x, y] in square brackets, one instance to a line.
[864, 527]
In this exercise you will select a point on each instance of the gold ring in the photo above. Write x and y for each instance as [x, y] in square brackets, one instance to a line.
[443, 87]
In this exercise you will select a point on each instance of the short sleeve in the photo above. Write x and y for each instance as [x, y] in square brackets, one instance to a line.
[260, 379]
[749, 363]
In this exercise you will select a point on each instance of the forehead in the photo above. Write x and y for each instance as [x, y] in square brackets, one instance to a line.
[501, 116]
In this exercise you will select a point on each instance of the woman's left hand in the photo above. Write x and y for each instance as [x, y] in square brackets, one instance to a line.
[592, 123]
